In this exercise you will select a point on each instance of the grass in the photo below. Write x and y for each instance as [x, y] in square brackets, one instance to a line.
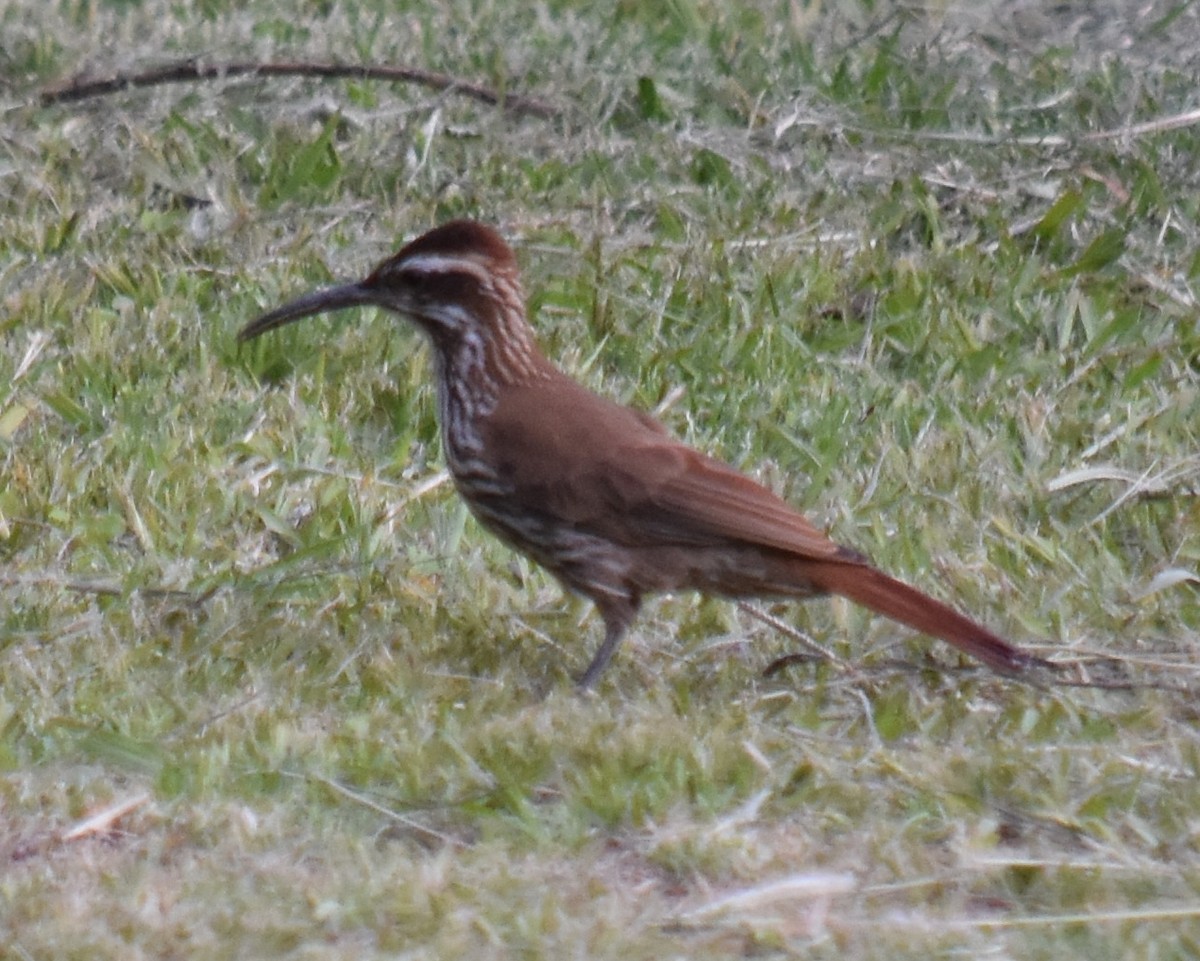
[893, 260]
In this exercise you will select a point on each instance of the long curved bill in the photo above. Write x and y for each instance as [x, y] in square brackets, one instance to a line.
[318, 302]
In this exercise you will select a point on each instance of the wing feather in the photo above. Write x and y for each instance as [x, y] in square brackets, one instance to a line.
[615, 472]
[687, 497]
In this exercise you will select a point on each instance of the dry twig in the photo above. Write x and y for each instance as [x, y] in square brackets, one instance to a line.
[184, 71]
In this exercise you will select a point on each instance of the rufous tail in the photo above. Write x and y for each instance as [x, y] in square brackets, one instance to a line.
[885, 595]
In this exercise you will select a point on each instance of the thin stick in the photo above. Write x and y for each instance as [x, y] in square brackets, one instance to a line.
[1176, 121]
[814, 649]
[380, 809]
[184, 71]
[104, 588]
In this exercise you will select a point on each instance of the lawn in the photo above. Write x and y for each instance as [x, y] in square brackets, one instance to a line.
[928, 271]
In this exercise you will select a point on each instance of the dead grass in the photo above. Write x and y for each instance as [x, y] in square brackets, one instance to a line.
[265, 689]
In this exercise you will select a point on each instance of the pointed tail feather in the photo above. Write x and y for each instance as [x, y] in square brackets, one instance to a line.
[885, 595]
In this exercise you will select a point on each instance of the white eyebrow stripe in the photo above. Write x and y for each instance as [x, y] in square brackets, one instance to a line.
[443, 264]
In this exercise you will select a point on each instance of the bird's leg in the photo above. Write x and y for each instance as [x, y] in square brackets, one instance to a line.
[618, 614]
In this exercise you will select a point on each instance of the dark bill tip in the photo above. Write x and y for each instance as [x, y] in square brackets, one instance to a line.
[318, 302]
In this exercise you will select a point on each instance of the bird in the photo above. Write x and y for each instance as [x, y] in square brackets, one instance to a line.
[597, 493]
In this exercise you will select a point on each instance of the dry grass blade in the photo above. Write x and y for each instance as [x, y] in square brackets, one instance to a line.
[103, 821]
[802, 887]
